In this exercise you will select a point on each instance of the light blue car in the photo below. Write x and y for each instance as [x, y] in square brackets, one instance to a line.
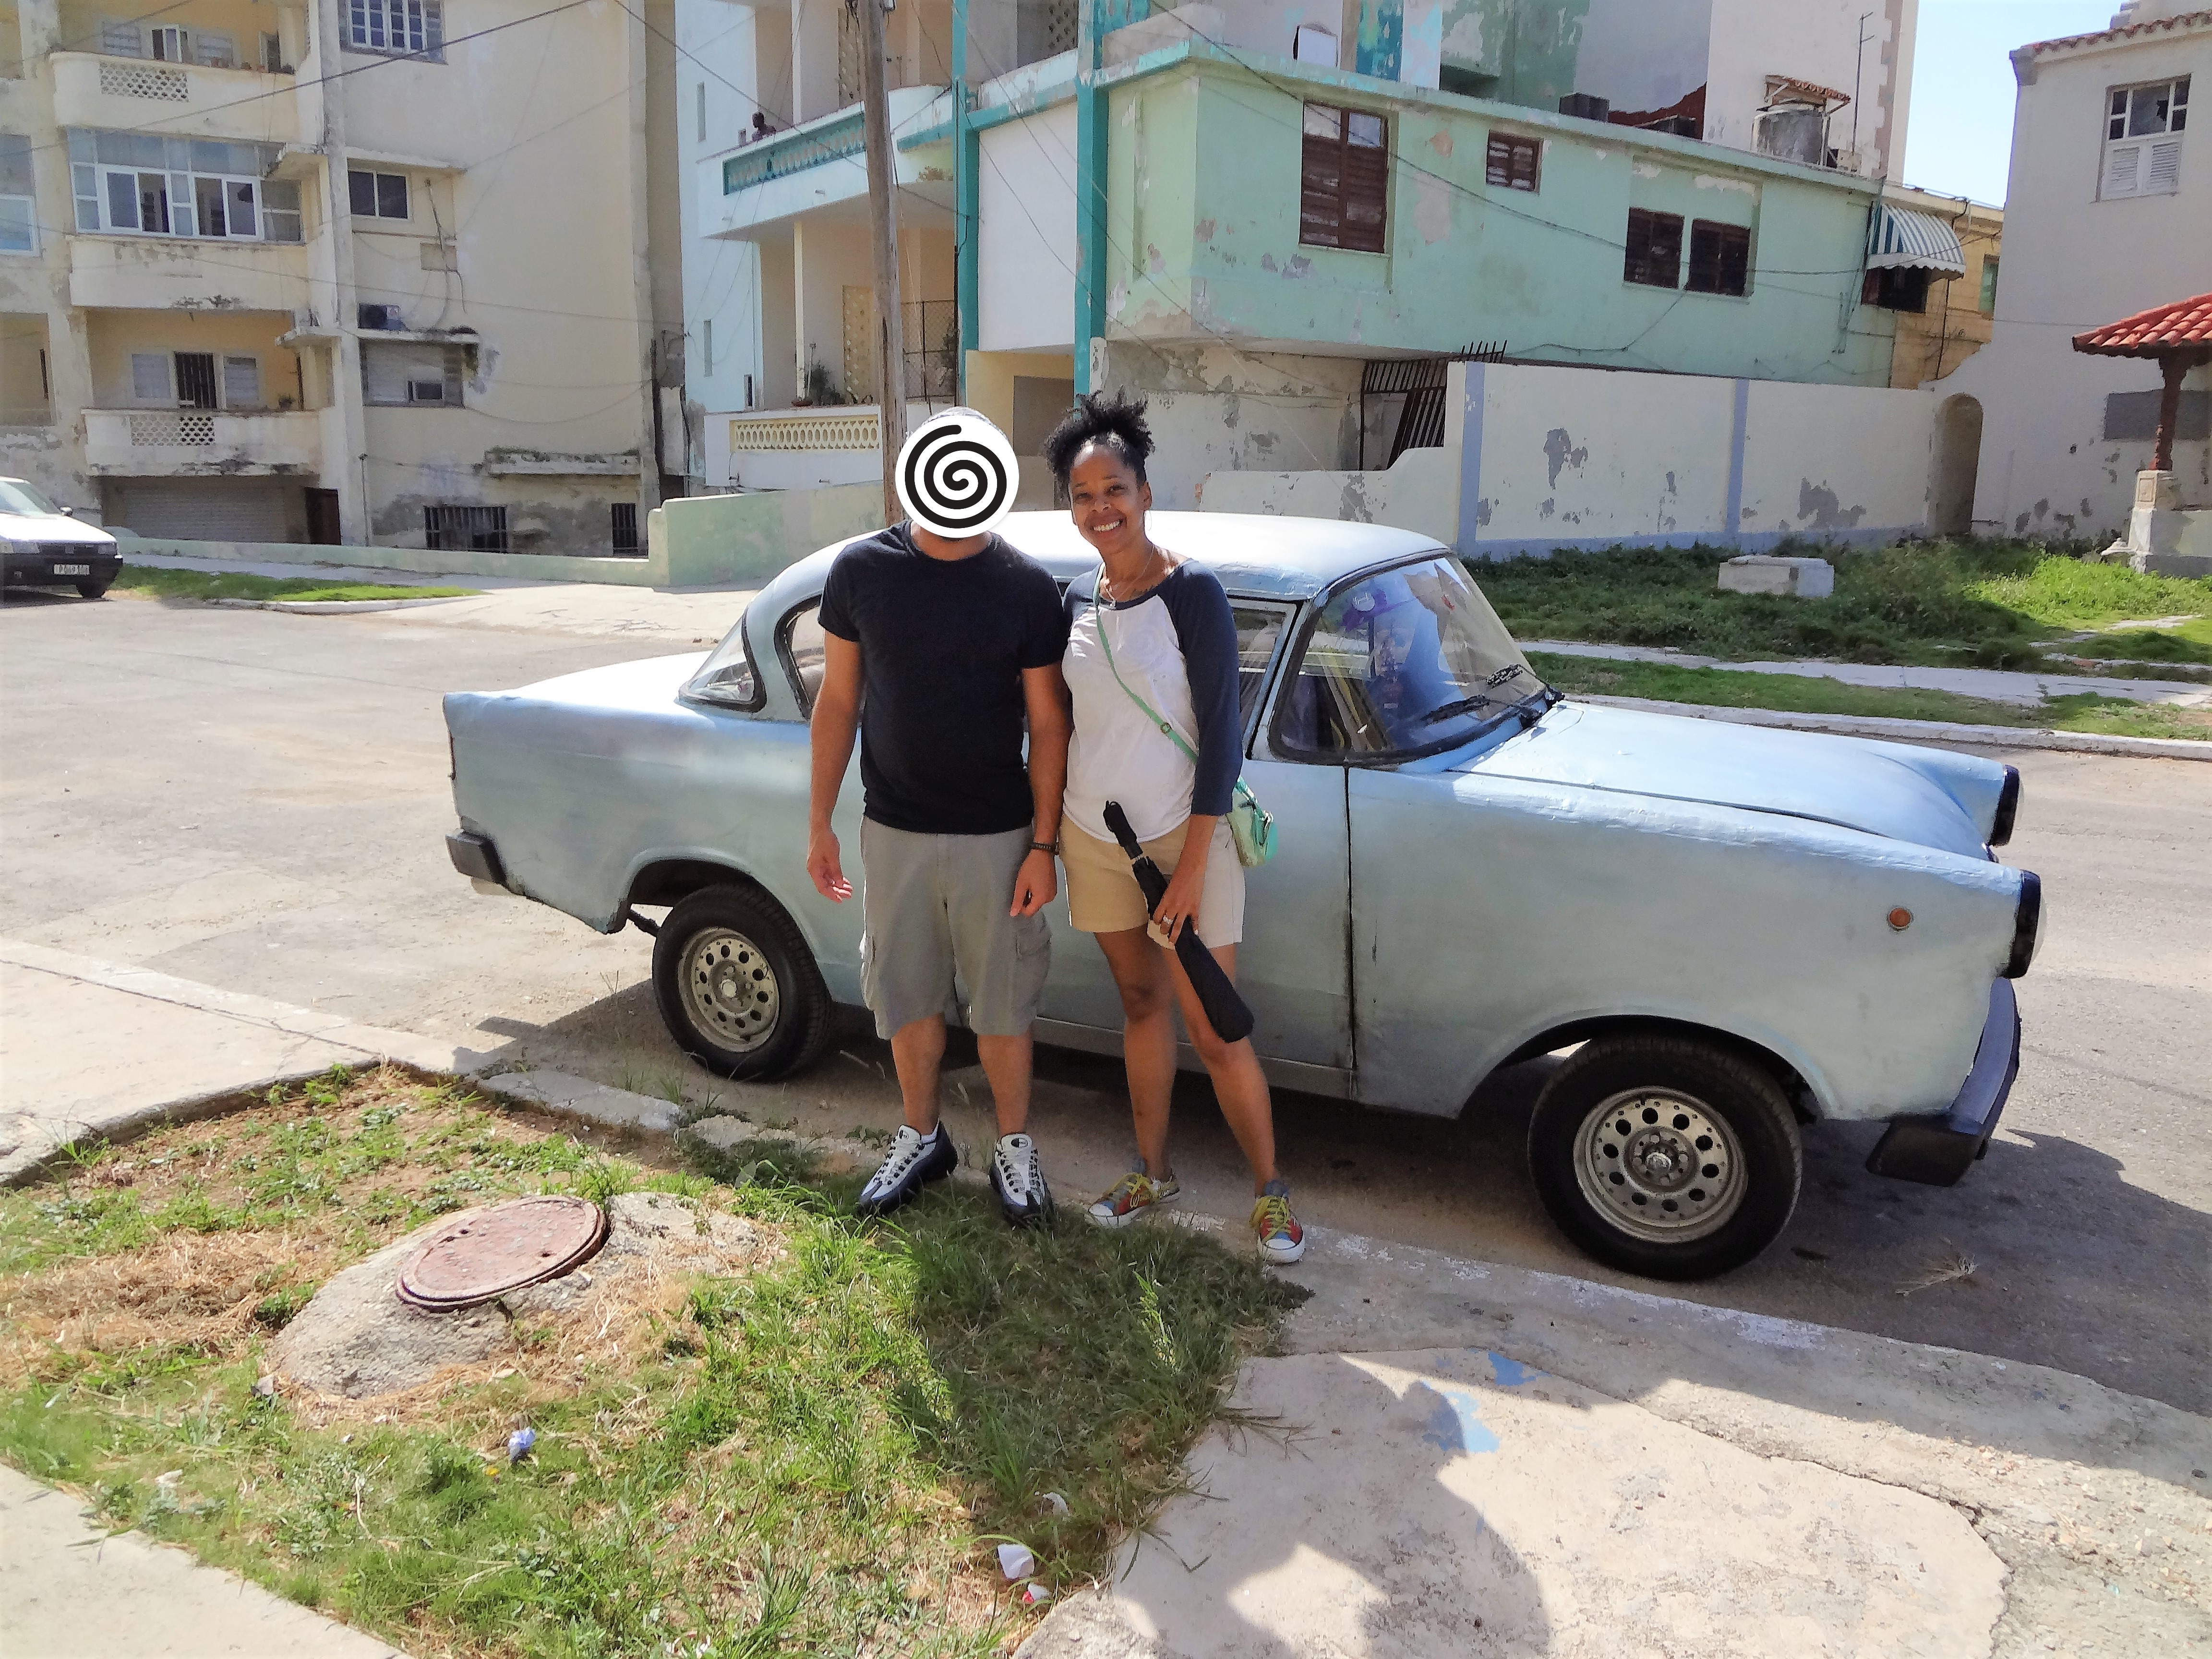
[1736, 931]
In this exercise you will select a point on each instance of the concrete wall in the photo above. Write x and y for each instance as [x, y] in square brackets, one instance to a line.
[1026, 263]
[741, 541]
[1203, 229]
[1537, 459]
[623, 572]
[2071, 263]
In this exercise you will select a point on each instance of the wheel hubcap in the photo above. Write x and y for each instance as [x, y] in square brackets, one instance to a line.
[729, 991]
[1659, 1165]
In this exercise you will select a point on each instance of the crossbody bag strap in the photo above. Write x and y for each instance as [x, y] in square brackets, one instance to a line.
[1166, 726]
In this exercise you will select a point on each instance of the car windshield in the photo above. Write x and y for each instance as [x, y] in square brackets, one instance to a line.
[19, 499]
[1404, 662]
[726, 677]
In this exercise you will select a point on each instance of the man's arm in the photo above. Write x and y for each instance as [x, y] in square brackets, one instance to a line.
[1046, 693]
[829, 737]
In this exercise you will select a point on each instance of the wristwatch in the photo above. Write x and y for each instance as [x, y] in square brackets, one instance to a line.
[1051, 847]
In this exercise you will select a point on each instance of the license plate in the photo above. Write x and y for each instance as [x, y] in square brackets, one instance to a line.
[72, 570]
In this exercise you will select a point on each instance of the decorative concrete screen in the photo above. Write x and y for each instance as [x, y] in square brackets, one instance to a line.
[144, 81]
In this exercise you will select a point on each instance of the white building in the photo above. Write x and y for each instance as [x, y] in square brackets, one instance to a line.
[300, 271]
[2108, 212]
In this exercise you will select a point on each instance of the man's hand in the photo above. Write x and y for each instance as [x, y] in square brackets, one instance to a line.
[824, 865]
[1034, 884]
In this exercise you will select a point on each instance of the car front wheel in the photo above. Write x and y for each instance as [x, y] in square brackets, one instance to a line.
[1665, 1155]
[737, 986]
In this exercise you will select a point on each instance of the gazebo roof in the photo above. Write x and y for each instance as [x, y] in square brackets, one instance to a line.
[2182, 325]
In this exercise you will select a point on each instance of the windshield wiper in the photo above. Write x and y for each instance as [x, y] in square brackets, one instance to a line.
[1462, 706]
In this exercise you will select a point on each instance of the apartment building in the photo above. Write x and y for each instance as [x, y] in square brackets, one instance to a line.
[1943, 316]
[2108, 212]
[1277, 218]
[341, 270]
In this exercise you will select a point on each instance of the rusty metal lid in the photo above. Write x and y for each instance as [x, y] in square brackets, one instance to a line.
[482, 1253]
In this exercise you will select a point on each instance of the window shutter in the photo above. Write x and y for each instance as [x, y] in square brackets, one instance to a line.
[241, 383]
[1367, 183]
[120, 38]
[1321, 175]
[2123, 170]
[150, 377]
[2162, 175]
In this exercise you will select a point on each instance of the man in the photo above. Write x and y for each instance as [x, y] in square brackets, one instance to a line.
[952, 639]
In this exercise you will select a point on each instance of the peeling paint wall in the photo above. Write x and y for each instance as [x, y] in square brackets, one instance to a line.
[1560, 457]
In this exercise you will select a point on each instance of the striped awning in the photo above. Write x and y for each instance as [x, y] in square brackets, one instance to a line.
[1900, 239]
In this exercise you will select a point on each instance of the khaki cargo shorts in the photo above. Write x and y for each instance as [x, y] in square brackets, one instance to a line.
[1104, 898]
[937, 935]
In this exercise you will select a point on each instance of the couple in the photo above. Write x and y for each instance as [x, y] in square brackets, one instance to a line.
[954, 639]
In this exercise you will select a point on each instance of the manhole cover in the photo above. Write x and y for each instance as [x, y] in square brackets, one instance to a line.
[482, 1253]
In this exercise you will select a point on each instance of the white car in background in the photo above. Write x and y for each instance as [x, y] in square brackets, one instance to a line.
[45, 546]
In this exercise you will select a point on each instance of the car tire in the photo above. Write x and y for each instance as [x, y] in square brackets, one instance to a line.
[737, 986]
[1665, 1155]
[91, 590]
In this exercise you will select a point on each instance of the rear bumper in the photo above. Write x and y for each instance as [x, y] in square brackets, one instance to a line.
[475, 857]
[1938, 1149]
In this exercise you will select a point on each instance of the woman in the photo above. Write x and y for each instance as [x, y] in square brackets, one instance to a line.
[1154, 632]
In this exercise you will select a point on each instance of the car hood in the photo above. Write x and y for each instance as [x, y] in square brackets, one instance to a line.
[1884, 789]
[52, 527]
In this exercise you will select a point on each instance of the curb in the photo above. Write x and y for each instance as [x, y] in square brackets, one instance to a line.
[1880, 726]
[335, 607]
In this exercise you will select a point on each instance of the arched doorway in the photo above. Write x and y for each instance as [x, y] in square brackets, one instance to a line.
[1958, 459]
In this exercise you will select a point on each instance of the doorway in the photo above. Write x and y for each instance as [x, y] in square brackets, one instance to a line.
[1958, 462]
[322, 517]
[195, 379]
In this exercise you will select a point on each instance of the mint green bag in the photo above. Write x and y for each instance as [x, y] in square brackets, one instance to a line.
[1251, 826]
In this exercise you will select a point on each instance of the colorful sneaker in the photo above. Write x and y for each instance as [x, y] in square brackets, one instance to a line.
[1018, 1179]
[913, 1158]
[1134, 1196]
[1282, 1241]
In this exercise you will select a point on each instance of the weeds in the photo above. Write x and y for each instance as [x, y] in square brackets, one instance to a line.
[162, 582]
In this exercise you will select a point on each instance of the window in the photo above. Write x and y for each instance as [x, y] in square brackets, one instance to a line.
[799, 641]
[707, 348]
[2142, 139]
[702, 129]
[410, 374]
[1512, 162]
[212, 50]
[1896, 290]
[1259, 632]
[401, 26]
[727, 677]
[466, 530]
[149, 378]
[272, 55]
[19, 197]
[159, 185]
[1720, 258]
[1989, 286]
[1344, 179]
[623, 515]
[377, 195]
[1408, 662]
[241, 382]
[168, 45]
[1655, 248]
[196, 383]
[120, 39]
[280, 211]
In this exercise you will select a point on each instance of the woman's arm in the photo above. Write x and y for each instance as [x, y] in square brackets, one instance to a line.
[1206, 632]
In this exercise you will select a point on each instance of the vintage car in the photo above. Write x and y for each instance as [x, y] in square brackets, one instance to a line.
[42, 545]
[1736, 931]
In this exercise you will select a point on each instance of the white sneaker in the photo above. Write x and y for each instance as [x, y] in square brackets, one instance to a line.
[914, 1160]
[1018, 1179]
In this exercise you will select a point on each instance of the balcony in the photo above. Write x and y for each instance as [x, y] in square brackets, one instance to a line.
[184, 443]
[126, 94]
[126, 272]
[824, 164]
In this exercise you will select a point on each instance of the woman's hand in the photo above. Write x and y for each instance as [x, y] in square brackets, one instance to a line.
[1187, 885]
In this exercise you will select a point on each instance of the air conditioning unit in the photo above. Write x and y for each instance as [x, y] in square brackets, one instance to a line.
[384, 318]
[426, 391]
[1586, 105]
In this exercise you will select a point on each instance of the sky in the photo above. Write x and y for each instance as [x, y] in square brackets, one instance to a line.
[1958, 137]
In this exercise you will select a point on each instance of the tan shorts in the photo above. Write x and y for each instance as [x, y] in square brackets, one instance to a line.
[1104, 898]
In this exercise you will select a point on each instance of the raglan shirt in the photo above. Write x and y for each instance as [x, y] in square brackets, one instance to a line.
[943, 643]
[1175, 647]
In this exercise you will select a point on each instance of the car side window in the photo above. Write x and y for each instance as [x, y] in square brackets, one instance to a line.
[799, 641]
[1259, 636]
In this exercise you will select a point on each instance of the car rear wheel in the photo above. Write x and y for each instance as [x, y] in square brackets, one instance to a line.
[91, 590]
[1665, 1155]
[737, 986]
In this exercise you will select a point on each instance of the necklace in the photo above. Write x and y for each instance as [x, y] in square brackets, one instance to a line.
[1117, 591]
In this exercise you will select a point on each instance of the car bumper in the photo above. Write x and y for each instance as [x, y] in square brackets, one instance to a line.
[42, 566]
[475, 857]
[1938, 1149]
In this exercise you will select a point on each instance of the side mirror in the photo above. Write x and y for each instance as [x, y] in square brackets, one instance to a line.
[69, 512]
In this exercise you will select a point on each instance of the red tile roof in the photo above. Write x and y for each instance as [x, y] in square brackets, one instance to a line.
[2184, 323]
[2181, 19]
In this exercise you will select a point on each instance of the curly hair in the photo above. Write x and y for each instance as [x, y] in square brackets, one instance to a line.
[1113, 421]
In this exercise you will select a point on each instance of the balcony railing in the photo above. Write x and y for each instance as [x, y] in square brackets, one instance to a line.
[199, 100]
[171, 442]
[787, 153]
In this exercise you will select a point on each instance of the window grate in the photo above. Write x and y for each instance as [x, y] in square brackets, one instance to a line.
[466, 530]
[1720, 258]
[144, 81]
[1654, 256]
[624, 530]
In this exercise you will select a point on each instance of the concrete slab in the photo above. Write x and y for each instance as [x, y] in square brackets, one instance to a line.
[1769, 573]
[1453, 1501]
[71, 1589]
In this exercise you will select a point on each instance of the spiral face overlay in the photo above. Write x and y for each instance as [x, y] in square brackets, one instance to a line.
[957, 475]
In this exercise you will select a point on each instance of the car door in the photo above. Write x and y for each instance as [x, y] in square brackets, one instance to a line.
[832, 929]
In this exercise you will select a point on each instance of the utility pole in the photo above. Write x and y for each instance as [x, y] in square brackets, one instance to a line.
[883, 220]
[1858, 69]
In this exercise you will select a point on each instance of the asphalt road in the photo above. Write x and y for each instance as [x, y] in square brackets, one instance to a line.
[259, 801]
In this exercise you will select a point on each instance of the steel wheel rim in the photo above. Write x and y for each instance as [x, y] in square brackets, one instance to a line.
[1660, 1165]
[730, 994]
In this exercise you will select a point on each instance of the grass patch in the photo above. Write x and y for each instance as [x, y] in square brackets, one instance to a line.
[1735, 688]
[163, 583]
[815, 1456]
[1982, 603]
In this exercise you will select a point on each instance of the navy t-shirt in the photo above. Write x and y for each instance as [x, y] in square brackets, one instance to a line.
[943, 645]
